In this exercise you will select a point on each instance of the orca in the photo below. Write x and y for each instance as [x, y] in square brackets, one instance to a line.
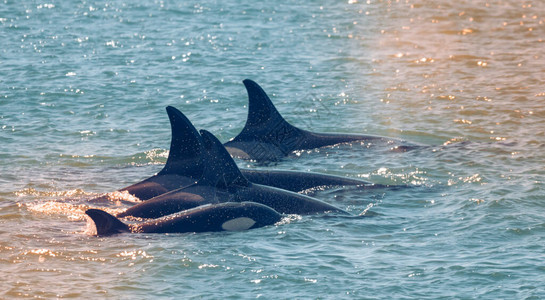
[294, 181]
[187, 159]
[267, 136]
[229, 216]
[209, 189]
[184, 164]
[222, 181]
[240, 189]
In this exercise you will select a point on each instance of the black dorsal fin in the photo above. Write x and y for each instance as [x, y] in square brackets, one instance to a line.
[187, 154]
[105, 223]
[261, 110]
[222, 171]
[265, 124]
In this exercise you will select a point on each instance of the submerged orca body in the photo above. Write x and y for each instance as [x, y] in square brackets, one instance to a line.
[230, 216]
[184, 164]
[221, 182]
[296, 181]
[267, 136]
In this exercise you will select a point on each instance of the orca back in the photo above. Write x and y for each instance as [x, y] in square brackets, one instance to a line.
[267, 136]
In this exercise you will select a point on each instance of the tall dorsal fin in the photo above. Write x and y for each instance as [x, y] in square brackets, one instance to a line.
[261, 110]
[265, 124]
[187, 154]
[222, 171]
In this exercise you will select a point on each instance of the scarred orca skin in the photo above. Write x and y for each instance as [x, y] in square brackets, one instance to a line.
[221, 182]
[267, 136]
[184, 165]
[229, 216]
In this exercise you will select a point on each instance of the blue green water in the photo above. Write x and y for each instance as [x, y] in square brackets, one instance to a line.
[84, 84]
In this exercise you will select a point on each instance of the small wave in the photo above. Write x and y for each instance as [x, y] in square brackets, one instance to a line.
[288, 219]
[122, 196]
[57, 194]
[75, 212]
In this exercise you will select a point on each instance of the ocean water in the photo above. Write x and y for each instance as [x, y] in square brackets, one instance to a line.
[83, 91]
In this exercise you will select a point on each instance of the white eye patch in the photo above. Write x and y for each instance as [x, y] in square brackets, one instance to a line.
[238, 224]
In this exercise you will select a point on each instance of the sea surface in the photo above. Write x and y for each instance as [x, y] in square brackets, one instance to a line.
[83, 91]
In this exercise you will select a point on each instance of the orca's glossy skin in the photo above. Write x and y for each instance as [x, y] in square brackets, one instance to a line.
[267, 136]
[230, 216]
[222, 181]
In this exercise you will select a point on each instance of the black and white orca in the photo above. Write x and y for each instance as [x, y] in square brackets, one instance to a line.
[267, 136]
[229, 216]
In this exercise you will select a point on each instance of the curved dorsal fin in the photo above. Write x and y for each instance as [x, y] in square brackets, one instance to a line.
[265, 124]
[261, 110]
[187, 154]
[105, 223]
[222, 171]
